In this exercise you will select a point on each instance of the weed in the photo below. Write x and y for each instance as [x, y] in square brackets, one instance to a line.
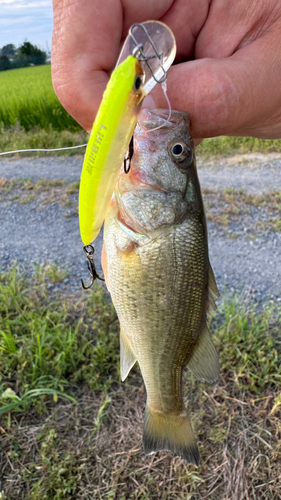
[227, 146]
[55, 274]
[73, 188]
[251, 347]
[232, 205]
[13, 138]
[44, 192]
[50, 344]
[92, 448]
[24, 200]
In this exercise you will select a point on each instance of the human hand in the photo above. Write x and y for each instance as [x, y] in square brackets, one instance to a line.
[231, 87]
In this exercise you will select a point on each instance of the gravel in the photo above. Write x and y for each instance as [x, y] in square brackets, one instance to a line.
[248, 264]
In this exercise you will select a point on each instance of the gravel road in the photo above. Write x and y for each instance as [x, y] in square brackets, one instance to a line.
[249, 263]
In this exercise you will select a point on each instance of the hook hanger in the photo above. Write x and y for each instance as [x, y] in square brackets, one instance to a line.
[139, 54]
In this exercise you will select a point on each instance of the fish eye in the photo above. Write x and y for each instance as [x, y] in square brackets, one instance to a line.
[137, 82]
[181, 152]
[177, 149]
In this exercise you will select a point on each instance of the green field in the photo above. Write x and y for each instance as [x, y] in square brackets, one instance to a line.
[32, 117]
[27, 97]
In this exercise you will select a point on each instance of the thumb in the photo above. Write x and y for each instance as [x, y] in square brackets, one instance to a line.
[237, 95]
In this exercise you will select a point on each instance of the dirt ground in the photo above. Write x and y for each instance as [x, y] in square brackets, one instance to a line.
[244, 246]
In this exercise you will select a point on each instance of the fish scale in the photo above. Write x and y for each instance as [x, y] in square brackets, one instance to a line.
[157, 270]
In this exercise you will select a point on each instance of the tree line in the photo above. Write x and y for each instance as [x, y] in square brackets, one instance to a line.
[25, 55]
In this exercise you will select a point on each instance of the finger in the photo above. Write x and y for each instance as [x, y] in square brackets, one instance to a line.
[87, 41]
[85, 47]
[237, 95]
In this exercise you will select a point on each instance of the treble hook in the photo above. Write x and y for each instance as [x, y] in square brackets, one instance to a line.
[129, 157]
[138, 52]
[91, 266]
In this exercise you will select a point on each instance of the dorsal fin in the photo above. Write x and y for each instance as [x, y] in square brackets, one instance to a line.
[213, 292]
[204, 363]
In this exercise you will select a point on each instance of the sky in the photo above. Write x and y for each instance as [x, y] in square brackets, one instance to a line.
[26, 19]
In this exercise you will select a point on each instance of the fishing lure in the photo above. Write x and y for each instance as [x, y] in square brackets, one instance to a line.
[108, 143]
[139, 67]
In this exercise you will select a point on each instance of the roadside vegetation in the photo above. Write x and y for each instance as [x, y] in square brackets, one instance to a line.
[226, 146]
[239, 210]
[31, 116]
[70, 429]
[43, 192]
[16, 137]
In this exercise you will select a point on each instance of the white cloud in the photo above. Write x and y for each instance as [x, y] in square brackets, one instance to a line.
[22, 4]
[26, 19]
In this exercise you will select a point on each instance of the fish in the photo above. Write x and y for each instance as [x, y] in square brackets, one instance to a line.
[109, 140]
[157, 270]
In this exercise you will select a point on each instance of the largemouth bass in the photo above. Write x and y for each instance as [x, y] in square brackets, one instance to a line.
[157, 269]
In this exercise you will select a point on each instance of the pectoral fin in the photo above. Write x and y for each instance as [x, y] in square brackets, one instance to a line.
[127, 357]
[204, 363]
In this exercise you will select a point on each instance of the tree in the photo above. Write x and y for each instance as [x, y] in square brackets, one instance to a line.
[26, 55]
[4, 63]
[31, 54]
[8, 50]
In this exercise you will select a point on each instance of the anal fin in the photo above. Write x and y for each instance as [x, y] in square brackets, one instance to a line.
[204, 363]
[127, 357]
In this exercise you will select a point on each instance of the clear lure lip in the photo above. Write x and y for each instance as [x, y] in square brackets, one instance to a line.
[154, 44]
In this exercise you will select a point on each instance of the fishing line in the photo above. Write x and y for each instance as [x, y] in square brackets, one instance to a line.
[164, 88]
[31, 150]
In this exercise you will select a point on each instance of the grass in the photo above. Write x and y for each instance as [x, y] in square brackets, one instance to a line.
[47, 345]
[17, 138]
[44, 192]
[232, 205]
[57, 448]
[27, 97]
[223, 146]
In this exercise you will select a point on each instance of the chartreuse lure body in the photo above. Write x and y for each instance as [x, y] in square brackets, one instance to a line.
[108, 143]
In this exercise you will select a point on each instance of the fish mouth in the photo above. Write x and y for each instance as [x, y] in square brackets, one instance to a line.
[150, 119]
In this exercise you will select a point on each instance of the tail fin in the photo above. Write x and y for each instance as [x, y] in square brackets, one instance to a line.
[173, 433]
